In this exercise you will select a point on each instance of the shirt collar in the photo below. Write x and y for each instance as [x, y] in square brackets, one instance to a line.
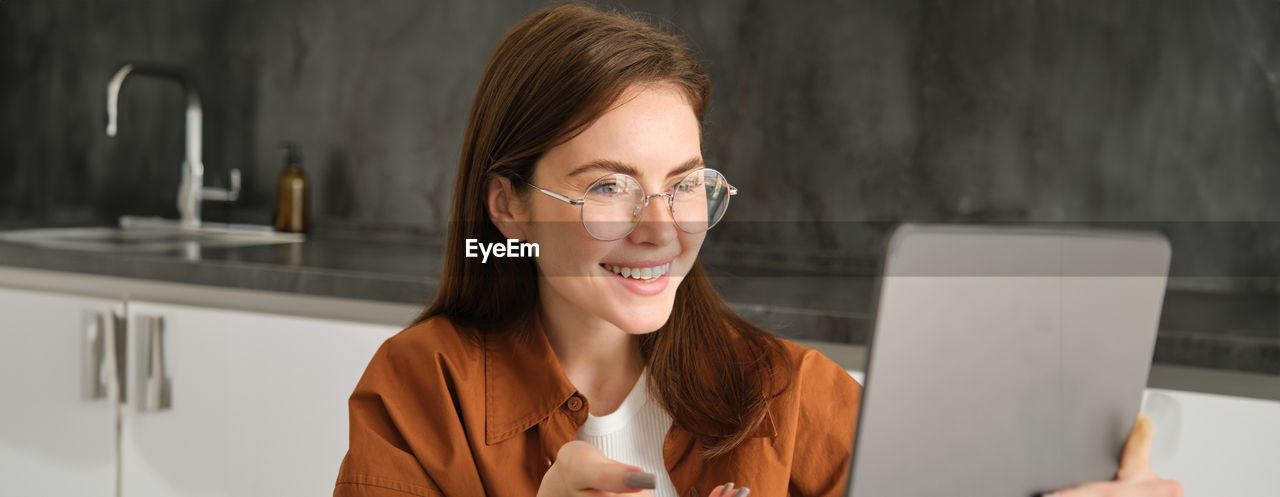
[524, 383]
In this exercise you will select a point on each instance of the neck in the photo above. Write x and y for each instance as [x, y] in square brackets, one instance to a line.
[600, 359]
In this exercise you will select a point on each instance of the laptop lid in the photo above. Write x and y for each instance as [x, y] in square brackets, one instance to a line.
[1005, 361]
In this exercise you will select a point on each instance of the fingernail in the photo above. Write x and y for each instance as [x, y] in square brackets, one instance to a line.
[640, 479]
[727, 488]
[742, 492]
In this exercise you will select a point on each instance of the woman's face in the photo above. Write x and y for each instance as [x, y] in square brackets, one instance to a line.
[651, 134]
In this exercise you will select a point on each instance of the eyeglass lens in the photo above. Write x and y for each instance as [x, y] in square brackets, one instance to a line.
[614, 204]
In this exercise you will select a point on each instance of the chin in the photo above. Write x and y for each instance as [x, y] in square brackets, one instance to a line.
[647, 317]
[636, 327]
[644, 320]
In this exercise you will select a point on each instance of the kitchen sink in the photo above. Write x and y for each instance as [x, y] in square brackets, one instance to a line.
[150, 235]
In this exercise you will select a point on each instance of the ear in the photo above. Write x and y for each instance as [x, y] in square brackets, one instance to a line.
[506, 209]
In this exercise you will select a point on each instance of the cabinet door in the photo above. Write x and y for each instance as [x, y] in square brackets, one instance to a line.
[238, 403]
[57, 394]
[1215, 444]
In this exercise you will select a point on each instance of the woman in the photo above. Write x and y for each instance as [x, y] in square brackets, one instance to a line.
[534, 375]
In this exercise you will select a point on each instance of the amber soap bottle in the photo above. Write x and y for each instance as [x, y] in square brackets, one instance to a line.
[291, 196]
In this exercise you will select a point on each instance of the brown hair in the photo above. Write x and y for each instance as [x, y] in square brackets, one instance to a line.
[553, 74]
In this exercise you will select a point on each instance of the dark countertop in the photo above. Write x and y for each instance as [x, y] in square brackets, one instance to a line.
[1219, 331]
[386, 271]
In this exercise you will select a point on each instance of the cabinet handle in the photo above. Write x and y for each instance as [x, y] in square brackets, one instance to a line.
[93, 357]
[102, 354]
[154, 387]
[116, 350]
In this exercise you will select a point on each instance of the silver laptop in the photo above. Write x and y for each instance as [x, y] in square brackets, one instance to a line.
[1005, 361]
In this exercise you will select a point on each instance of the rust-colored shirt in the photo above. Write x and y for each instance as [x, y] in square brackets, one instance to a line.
[437, 414]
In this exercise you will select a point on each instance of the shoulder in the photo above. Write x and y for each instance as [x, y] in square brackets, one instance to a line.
[816, 420]
[437, 334]
[420, 384]
[399, 412]
[809, 366]
[805, 367]
[424, 351]
[820, 394]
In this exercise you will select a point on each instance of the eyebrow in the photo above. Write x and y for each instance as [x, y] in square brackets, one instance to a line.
[630, 170]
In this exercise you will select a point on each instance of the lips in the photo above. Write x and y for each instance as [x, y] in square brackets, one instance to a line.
[641, 278]
[638, 271]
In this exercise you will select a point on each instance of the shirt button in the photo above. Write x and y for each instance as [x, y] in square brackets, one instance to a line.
[575, 403]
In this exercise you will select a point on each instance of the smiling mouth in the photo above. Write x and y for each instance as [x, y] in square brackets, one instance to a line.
[645, 274]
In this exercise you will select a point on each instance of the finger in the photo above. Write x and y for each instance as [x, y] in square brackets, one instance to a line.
[611, 476]
[1135, 462]
[717, 492]
[1153, 488]
[586, 468]
[633, 493]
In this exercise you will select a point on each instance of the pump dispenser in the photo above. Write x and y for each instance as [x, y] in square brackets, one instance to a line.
[291, 202]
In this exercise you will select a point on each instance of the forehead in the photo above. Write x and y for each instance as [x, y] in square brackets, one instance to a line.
[652, 128]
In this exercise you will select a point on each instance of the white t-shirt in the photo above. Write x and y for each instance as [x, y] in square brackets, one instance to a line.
[634, 434]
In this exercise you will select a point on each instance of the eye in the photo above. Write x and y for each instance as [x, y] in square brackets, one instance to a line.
[609, 188]
[689, 184]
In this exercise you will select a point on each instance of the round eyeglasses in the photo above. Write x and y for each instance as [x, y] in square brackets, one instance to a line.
[613, 205]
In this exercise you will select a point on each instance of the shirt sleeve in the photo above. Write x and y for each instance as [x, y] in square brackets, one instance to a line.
[379, 462]
[828, 411]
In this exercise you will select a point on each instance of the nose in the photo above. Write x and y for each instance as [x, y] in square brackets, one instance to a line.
[656, 227]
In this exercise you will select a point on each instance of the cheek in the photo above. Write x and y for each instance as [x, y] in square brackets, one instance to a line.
[690, 245]
[565, 248]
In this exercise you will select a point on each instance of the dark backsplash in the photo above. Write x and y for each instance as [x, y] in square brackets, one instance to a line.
[832, 117]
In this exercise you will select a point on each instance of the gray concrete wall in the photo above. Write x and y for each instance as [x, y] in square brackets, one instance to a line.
[829, 115]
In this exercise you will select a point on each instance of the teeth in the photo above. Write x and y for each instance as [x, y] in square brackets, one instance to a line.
[640, 273]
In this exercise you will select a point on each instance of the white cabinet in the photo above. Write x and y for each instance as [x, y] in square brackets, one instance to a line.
[105, 397]
[256, 403]
[57, 391]
[1215, 444]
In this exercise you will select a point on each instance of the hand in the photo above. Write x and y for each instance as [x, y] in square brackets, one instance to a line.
[727, 490]
[1135, 477]
[582, 470]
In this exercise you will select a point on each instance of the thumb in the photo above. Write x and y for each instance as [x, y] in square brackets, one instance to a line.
[1135, 462]
[613, 476]
[589, 469]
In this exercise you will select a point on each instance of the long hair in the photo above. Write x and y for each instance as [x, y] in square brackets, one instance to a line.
[553, 74]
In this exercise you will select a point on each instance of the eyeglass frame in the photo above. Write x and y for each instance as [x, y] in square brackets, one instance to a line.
[644, 204]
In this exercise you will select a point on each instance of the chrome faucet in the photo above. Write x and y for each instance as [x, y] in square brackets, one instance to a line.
[191, 191]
